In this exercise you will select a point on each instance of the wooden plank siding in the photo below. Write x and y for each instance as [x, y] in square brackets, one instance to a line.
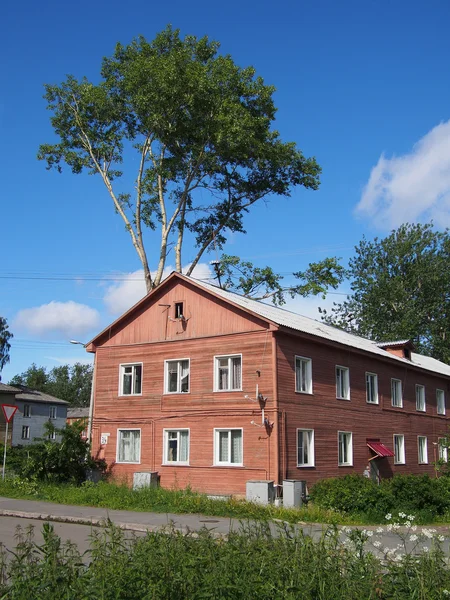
[201, 410]
[326, 415]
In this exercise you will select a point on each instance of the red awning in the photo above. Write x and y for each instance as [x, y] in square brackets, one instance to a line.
[380, 449]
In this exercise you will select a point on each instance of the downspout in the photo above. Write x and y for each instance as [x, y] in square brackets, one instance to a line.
[91, 404]
[276, 432]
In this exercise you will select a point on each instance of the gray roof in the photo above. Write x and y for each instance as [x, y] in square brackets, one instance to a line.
[27, 394]
[78, 412]
[8, 389]
[286, 318]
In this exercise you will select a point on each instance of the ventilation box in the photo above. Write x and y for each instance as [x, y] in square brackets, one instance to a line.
[143, 479]
[294, 493]
[261, 491]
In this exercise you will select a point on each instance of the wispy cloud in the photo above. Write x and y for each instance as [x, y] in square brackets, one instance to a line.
[70, 360]
[64, 318]
[413, 187]
[121, 295]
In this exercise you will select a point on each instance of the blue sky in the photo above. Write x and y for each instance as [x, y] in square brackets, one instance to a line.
[362, 86]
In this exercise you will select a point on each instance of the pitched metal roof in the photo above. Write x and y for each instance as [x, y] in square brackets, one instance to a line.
[8, 389]
[24, 393]
[79, 412]
[380, 449]
[286, 318]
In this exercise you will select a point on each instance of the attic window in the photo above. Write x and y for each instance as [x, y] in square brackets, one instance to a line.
[178, 310]
[407, 353]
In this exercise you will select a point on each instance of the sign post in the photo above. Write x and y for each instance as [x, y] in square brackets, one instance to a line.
[9, 411]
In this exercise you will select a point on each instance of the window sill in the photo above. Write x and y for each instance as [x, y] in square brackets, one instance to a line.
[175, 464]
[345, 465]
[129, 395]
[118, 462]
[373, 403]
[176, 393]
[306, 466]
[304, 393]
[222, 391]
[227, 466]
[339, 398]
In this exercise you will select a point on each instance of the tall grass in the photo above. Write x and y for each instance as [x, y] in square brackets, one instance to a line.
[250, 564]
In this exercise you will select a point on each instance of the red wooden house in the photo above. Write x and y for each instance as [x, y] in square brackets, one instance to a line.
[211, 389]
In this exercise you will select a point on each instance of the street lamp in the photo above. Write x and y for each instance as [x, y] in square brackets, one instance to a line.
[91, 400]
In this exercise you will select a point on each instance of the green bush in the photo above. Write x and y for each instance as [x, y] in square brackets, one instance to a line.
[427, 498]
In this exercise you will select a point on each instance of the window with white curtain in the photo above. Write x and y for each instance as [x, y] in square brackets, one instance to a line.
[440, 402]
[371, 388]
[396, 393]
[443, 449]
[177, 376]
[228, 372]
[128, 445]
[228, 447]
[420, 398]
[131, 379]
[305, 447]
[303, 375]
[399, 449]
[176, 446]
[342, 383]
[422, 444]
[345, 448]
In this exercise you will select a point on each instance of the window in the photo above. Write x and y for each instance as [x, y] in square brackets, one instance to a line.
[52, 435]
[228, 447]
[52, 412]
[342, 383]
[440, 402]
[420, 398]
[423, 449]
[305, 447]
[130, 380]
[396, 393]
[128, 445]
[27, 410]
[443, 450]
[178, 310]
[176, 446]
[228, 373]
[345, 448]
[303, 375]
[25, 432]
[371, 388]
[399, 449]
[177, 376]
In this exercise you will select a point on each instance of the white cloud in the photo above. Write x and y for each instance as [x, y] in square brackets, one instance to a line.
[65, 318]
[120, 296]
[414, 187]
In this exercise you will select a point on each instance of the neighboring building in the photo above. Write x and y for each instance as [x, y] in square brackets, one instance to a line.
[79, 414]
[211, 389]
[34, 410]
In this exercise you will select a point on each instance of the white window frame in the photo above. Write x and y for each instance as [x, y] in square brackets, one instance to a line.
[52, 413]
[345, 437]
[346, 373]
[166, 375]
[217, 461]
[397, 383]
[26, 411]
[26, 429]
[442, 449]
[400, 457]
[422, 449]
[374, 387]
[52, 435]
[420, 398]
[122, 373]
[440, 407]
[309, 384]
[176, 430]
[216, 372]
[310, 452]
[128, 462]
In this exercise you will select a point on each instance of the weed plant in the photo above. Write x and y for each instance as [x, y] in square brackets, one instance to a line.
[251, 563]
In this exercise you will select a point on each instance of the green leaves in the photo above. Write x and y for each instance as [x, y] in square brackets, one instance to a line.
[201, 130]
[400, 290]
[5, 346]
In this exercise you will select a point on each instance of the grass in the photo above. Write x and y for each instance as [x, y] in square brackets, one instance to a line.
[121, 497]
[251, 563]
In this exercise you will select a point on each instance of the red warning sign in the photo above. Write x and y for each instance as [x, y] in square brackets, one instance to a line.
[8, 411]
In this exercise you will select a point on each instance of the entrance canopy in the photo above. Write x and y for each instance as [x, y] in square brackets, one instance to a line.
[380, 449]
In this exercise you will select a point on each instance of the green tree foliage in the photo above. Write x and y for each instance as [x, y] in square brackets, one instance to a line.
[67, 382]
[5, 346]
[400, 290]
[263, 283]
[201, 131]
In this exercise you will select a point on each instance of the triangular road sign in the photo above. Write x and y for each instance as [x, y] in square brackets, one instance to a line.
[8, 411]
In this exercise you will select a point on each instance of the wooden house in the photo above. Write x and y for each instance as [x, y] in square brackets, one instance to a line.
[210, 389]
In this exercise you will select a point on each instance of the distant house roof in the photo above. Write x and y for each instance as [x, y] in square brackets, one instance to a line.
[24, 393]
[286, 318]
[78, 413]
[8, 389]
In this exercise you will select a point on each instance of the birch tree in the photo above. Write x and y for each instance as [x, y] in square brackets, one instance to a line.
[198, 130]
